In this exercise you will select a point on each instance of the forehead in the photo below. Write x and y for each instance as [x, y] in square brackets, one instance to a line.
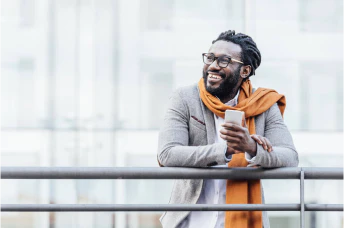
[225, 48]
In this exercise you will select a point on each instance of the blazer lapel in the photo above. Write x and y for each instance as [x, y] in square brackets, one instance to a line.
[209, 122]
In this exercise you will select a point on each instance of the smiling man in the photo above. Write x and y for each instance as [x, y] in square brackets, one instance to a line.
[194, 134]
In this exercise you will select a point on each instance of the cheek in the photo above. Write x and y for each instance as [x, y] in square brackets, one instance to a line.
[227, 72]
[205, 68]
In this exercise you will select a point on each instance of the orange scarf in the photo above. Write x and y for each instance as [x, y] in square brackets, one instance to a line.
[242, 191]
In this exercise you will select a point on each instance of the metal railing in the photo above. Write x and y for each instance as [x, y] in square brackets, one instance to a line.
[174, 173]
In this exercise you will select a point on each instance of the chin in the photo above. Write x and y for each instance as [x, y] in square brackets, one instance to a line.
[213, 86]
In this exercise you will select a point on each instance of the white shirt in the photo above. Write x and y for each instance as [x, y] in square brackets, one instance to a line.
[213, 191]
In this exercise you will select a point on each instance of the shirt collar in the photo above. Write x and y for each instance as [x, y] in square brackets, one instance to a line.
[234, 101]
[231, 103]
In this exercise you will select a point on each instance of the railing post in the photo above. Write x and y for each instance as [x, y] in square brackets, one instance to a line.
[302, 199]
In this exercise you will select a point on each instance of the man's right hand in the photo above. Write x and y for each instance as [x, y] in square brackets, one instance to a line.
[264, 142]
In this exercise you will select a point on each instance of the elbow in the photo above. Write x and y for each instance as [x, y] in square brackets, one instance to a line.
[163, 157]
[167, 157]
[296, 159]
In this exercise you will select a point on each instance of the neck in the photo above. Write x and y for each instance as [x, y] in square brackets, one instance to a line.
[230, 96]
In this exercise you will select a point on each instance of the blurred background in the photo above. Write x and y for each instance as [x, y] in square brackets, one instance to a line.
[86, 83]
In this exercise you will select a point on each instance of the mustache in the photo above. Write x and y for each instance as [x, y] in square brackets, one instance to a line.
[222, 75]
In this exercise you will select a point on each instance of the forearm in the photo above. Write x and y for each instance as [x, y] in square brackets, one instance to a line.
[193, 156]
[283, 152]
[279, 157]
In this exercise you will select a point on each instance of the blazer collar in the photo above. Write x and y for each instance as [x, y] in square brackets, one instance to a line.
[209, 122]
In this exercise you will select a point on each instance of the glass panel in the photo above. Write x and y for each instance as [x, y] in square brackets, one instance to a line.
[27, 13]
[106, 76]
[320, 103]
[208, 17]
[29, 152]
[150, 10]
[26, 90]
[286, 82]
[9, 97]
[10, 13]
[313, 12]
[66, 82]
[155, 89]
[285, 221]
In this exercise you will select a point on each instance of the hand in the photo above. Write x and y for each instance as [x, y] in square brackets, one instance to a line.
[238, 139]
[264, 142]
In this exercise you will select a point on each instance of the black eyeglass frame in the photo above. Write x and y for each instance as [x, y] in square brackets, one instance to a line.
[217, 59]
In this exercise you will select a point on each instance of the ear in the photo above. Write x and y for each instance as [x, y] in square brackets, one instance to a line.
[245, 71]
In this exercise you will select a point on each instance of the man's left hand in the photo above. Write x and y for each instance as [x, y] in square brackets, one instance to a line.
[238, 138]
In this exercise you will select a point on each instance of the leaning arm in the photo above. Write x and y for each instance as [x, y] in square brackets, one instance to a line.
[173, 146]
[284, 153]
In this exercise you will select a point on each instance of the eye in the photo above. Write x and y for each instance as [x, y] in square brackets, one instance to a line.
[210, 57]
[225, 60]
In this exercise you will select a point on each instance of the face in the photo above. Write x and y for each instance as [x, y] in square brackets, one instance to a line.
[219, 81]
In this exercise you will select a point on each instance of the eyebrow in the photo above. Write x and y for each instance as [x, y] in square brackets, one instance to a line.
[225, 55]
[235, 59]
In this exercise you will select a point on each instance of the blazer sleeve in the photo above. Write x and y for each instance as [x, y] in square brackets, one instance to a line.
[173, 145]
[284, 153]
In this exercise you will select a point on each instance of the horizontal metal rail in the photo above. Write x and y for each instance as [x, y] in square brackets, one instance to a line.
[168, 173]
[169, 207]
[173, 173]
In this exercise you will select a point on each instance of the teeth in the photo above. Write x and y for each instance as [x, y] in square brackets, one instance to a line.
[214, 76]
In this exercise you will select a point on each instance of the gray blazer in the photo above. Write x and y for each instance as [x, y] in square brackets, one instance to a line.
[187, 139]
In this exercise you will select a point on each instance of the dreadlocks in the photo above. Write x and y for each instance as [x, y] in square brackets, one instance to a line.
[250, 54]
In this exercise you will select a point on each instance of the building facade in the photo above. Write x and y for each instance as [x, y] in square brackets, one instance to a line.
[86, 83]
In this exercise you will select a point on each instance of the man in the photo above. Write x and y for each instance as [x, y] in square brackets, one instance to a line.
[194, 135]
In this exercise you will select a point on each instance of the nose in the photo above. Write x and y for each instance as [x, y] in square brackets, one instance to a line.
[214, 66]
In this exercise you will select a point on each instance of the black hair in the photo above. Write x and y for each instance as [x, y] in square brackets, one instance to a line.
[250, 54]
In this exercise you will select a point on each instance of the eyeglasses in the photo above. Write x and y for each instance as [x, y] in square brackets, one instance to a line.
[222, 61]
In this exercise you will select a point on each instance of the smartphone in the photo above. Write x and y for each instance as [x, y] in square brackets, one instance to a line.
[234, 116]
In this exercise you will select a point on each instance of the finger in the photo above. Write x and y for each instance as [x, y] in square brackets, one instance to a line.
[232, 133]
[230, 139]
[268, 144]
[265, 145]
[232, 126]
[257, 139]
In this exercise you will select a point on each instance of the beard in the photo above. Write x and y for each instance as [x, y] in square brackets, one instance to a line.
[226, 87]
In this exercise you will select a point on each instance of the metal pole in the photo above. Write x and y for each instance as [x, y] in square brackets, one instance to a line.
[147, 173]
[323, 173]
[169, 207]
[323, 207]
[167, 173]
[152, 207]
[302, 199]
